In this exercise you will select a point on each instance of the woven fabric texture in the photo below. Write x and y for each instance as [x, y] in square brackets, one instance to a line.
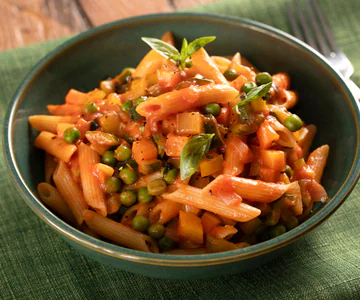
[35, 263]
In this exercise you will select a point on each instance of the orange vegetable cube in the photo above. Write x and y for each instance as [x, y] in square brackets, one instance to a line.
[209, 220]
[174, 144]
[223, 232]
[211, 165]
[269, 175]
[143, 150]
[169, 124]
[266, 135]
[273, 159]
[224, 116]
[103, 172]
[190, 227]
[189, 123]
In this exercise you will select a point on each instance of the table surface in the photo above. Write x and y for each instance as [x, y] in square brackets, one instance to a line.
[23, 22]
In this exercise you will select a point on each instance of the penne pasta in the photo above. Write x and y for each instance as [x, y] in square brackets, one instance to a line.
[193, 196]
[317, 161]
[49, 123]
[119, 233]
[182, 100]
[164, 212]
[249, 189]
[306, 138]
[93, 193]
[50, 167]
[51, 197]
[70, 191]
[55, 146]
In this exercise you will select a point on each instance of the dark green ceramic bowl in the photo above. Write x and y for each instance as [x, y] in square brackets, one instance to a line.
[81, 62]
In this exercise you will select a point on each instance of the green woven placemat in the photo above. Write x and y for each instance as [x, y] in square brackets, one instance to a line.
[35, 263]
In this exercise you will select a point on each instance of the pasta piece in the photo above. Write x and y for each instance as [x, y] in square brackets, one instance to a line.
[317, 161]
[225, 232]
[168, 37]
[103, 172]
[237, 154]
[55, 146]
[50, 167]
[214, 245]
[119, 233]
[61, 127]
[295, 192]
[222, 63]
[143, 181]
[66, 109]
[266, 135]
[238, 82]
[149, 64]
[191, 209]
[137, 89]
[235, 60]
[249, 189]
[102, 138]
[203, 64]
[194, 196]
[181, 100]
[93, 193]
[282, 80]
[75, 97]
[164, 212]
[190, 227]
[281, 112]
[51, 197]
[306, 138]
[49, 123]
[70, 191]
[113, 204]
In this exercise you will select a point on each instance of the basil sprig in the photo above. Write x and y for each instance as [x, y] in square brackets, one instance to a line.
[255, 93]
[193, 151]
[187, 49]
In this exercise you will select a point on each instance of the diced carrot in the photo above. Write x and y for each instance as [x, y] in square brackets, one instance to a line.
[209, 220]
[175, 144]
[168, 79]
[109, 122]
[190, 227]
[269, 175]
[133, 130]
[191, 209]
[266, 135]
[144, 150]
[258, 105]
[189, 123]
[273, 159]
[169, 124]
[211, 165]
[113, 204]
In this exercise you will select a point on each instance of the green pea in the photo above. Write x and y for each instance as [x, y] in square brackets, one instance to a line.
[139, 100]
[277, 230]
[156, 231]
[128, 176]
[71, 135]
[263, 78]
[128, 197]
[140, 223]
[144, 196]
[126, 106]
[231, 74]
[166, 244]
[122, 153]
[94, 125]
[157, 187]
[248, 86]
[170, 176]
[212, 109]
[113, 185]
[288, 171]
[90, 108]
[293, 123]
[108, 158]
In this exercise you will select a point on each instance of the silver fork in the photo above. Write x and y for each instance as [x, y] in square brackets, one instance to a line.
[318, 35]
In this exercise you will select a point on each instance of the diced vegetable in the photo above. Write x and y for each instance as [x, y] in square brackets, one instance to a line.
[211, 164]
[144, 150]
[190, 227]
[189, 123]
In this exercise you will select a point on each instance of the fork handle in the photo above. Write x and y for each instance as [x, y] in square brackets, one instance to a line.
[353, 88]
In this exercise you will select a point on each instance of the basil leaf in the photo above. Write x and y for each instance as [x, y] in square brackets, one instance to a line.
[195, 45]
[184, 46]
[163, 48]
[193, 151]
[255, 93]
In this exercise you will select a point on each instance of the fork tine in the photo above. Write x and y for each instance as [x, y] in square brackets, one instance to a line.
[293, 24]
[324, 48]
[308, 35]
[326, 28]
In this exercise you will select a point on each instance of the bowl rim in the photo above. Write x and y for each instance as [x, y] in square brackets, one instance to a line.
[115, 251]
